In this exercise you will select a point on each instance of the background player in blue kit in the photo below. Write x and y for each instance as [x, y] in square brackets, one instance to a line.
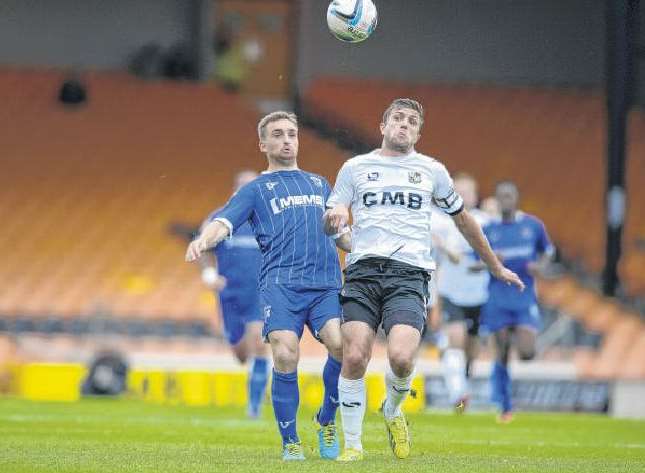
[300, 274]
[521, 242]
[232, 271]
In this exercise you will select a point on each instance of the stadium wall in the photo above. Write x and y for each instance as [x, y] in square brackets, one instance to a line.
[97, 34]
[491, 41]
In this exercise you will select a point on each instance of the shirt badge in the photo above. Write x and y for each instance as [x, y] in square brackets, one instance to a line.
[271, 184]
[414, 177]
[316, 180]
[372, 176]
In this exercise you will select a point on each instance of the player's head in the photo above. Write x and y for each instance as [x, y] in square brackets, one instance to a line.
[490, 206]
[278, 134]
[401, 125]
[508, 197]
[244, 177]
[466, 187]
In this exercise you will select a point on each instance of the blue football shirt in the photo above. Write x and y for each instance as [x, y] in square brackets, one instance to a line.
[284, 210]
[518, 243]
[239, 260]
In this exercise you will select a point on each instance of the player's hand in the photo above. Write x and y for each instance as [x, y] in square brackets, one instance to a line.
[509, 277]
[335, 219]
[195, 250]
[218, 284]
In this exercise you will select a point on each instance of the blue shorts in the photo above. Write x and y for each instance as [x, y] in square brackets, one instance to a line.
[291, 308]
[494, 317]
[237, 311]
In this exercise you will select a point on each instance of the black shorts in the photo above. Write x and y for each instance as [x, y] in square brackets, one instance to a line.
[456, 313]
[381, 291]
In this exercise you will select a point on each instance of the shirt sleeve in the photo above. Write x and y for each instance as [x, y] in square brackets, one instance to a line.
[543, 243]
[237, 210]
[343, 192]
[445, 197]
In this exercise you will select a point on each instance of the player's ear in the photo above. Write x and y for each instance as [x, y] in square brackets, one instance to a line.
[382, 126]
[263, 147]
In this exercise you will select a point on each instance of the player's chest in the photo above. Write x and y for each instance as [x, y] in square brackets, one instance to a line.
[513, 236]
[286, 197]
[401, 188]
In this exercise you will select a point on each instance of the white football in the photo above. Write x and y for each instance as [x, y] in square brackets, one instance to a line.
[352, 21]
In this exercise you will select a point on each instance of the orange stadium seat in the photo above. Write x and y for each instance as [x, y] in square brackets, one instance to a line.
[87, 194]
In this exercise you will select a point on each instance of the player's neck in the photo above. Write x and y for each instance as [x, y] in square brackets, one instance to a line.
[275, 165]
[509, 216]
[393, 153]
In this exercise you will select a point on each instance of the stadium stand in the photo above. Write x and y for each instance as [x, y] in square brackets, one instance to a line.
[115, 173]
[87, 195]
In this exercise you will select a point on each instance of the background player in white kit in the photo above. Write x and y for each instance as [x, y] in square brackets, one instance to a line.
[390, 192]
[463, 292]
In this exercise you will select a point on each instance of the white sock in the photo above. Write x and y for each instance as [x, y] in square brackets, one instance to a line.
[453, 369]
[397, 390]
[351, 394]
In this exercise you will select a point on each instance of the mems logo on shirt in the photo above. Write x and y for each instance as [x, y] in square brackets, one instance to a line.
[279, 204]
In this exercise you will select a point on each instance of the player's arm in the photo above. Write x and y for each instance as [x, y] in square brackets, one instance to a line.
[472, 232]
[451, 203]
[344, 240]
[336, 218]
[237, 211]
[438, 242]
[545, 250]
[212, 234]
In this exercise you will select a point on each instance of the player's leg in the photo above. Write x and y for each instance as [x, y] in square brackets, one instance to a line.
[453, 358]
[403, 322]
[259, 366]
[528, 325]
[358, 341]
[331, 338]
[284, 388]
[471, 346]
[525, 338]
[498, 321]
[402, 349]
[234, 328]
[283, 328]
[325, 418]
[360, 299]
[500, 378]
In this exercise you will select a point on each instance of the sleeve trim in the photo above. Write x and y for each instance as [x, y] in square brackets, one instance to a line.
[228, 225]
[457, 212]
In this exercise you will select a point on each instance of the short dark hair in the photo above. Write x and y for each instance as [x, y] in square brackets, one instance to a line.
[274, 117]
[403, 103]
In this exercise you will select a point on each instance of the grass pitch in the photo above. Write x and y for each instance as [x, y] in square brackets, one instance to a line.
[130, 436]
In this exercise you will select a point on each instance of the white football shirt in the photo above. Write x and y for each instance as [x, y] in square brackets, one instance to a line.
[391, 202]
[456, 282]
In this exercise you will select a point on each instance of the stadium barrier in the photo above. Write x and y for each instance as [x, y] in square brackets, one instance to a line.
[225, 388]
[228, 388]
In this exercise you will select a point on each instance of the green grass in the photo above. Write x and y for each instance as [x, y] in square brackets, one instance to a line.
[130, 436]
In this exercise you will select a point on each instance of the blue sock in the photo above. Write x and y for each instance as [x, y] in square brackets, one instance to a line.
[331, 372]
[285, 397]
[257, 383]
[501, 387]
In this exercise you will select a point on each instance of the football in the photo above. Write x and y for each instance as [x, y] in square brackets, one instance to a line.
[352, 21]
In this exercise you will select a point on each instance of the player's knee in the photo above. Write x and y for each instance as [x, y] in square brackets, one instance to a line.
[401, 362]
[336, 351]
[285, 357]
[355, 359]
[240, 352]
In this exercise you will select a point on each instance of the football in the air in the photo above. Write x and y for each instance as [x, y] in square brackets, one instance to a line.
[352, 21]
